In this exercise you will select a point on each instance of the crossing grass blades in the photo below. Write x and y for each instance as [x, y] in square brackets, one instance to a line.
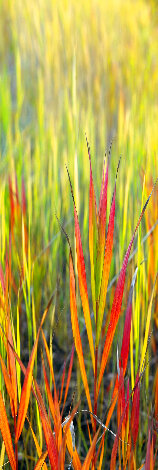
[58, 428]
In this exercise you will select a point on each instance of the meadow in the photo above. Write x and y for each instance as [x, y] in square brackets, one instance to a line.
[78, 301]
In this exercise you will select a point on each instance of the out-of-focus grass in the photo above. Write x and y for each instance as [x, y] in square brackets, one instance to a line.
[67, 67]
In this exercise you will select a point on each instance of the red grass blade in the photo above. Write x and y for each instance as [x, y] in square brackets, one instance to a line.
[125, 346]
[82, 279]
[101, 235]
[106, 267]
[25, 394]
[5, 431]
[117, 302]
[93, 233]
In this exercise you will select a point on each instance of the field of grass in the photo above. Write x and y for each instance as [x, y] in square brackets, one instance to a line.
[68, 68]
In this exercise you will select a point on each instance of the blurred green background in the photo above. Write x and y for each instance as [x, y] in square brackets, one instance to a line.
[67, 67]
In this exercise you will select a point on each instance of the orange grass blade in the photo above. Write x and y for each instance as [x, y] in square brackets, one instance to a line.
[93, 232]
[90, 454]
[41, 461]
[5, 431]
[82, 279]
[117, 302]
[74, 454]
[106, 267]
[38, 448]
[25, 394]
[102, 452]
[67, 426]
[76, 331]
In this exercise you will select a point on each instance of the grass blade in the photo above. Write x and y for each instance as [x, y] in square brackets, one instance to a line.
[93, 233]
[5, 431]
[76, 331]
[82, 279]
[41, 461]
[117, 302]
[25, 394]
[106, 267]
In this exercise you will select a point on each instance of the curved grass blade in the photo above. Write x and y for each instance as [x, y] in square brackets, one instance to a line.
[38, 448]
[117, 302]
[82, 279]
[25, 394]
[5, 431]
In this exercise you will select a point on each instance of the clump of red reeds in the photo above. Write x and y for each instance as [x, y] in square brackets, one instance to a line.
[58, 432]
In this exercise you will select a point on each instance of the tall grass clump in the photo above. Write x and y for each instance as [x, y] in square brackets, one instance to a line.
[67, 66]
[44, 416]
